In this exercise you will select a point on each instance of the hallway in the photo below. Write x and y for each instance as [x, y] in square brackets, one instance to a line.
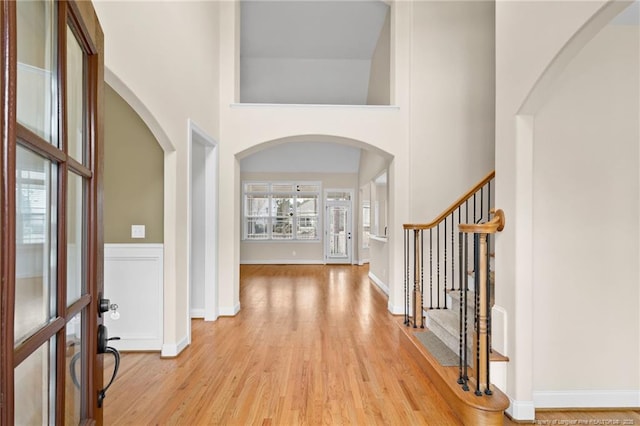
[311, 345]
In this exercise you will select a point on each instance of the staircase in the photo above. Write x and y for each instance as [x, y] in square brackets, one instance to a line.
[450, 291]
[445, 323]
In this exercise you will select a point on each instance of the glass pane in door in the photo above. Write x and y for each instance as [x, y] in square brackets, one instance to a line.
[75, 98]
[35, 243]
[37, 66]
[75, 237]
[73, 380]
[33, 387]
[338, 231]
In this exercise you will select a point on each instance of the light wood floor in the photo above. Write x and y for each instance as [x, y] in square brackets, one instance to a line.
[312, 345]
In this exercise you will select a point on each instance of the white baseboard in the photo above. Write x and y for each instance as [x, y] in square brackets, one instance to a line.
[377, 281]
[521, 410]
[362, 262]
[395, 310]
[282, 262]
[171, 350]
[587, 399]
[197, 313]
[227, 311]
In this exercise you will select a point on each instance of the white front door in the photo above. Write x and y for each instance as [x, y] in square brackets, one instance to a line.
[338, 235]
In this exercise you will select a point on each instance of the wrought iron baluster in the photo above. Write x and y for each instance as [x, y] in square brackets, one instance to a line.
[465, 332]
[438, 266]
[430, 268]
[406, 277]
[474, 208]
[453, 248]
[422, 318]
[445, 263]
[460, 319]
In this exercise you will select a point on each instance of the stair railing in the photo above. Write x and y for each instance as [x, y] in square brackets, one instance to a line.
[482, 303]
[438, 271]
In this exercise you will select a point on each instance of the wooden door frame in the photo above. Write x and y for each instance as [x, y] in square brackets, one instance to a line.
[81, 16]
[7, 204]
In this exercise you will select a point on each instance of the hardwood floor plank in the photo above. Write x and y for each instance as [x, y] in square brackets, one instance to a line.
[312, 345]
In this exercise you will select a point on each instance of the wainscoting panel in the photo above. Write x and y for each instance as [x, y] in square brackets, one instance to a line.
[133, 279]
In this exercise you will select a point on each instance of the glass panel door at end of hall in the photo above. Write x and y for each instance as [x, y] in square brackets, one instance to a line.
[49, 366]
[338, 241]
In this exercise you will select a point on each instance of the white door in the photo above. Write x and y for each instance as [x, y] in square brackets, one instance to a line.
[338, 235]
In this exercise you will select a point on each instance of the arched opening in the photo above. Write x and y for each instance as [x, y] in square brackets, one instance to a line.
[134, 222]
[577, 160]
[307, 200]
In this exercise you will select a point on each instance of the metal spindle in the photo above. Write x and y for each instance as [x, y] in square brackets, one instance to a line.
[445, 263]
[476, 261]
[438, 265]
[481, 204]
[453, 248]
[465, 333]
[430, 268]
[460, 375]
[474, 208]
[422, 318]
[488, 305]
[406, 277]
[416, 283]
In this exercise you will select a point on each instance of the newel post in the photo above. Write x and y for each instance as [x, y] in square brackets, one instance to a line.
[482, 349]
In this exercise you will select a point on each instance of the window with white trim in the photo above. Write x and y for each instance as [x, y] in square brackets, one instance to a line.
[281, 211]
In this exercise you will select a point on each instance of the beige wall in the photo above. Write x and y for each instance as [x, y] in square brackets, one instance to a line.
[585, 217]
[133, 175]
[380, 74]
[452, 108]
[166, 56]
[525, 52]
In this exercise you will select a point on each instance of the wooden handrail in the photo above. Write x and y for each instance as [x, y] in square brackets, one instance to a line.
[453, 206]
[494, 225]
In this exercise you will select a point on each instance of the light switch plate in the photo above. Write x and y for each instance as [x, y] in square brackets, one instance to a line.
[137, 231]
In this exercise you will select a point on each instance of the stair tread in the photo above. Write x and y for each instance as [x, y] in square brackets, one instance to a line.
[447, 319]
[470, 408]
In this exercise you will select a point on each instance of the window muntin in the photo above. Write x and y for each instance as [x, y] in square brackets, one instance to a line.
[281, 211]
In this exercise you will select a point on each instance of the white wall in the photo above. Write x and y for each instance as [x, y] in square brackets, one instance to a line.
[304, 156]
[452, 108]
[525, 49]
[383, 128]
[371, 166]
[197, 262]
[585, 220]
[174, 75]
[159, 66]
